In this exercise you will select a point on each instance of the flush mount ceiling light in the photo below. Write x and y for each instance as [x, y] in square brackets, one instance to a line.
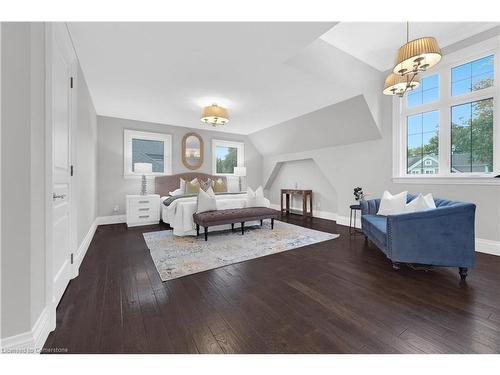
[414, 57]
[215, 115]
[396, 84]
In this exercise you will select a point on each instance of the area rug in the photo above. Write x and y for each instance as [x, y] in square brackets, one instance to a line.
[176, 256]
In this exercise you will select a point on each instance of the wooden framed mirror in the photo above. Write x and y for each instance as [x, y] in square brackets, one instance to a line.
[192, 151]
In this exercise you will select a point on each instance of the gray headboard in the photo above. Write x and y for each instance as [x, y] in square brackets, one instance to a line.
[165, 184]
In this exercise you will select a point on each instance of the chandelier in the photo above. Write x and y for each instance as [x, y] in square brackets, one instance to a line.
[414, 57]
[214, 115]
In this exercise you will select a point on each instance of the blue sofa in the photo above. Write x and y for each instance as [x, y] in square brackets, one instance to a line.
[443, 236]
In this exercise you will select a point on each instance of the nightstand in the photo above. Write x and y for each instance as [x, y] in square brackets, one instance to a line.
[143, 209]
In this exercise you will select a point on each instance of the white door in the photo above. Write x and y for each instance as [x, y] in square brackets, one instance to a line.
[62, 63]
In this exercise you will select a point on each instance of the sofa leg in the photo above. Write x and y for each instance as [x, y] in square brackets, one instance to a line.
[272, 223]
[206, 233]
[242, 228]
[462, 271]
[232, 227]
[396, 265]
[197, 230]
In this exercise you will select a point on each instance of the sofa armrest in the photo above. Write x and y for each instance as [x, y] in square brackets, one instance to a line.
[443, 236]
[369, 207]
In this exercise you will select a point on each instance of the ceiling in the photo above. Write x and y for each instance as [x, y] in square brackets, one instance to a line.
[166, 72]
[376, 43]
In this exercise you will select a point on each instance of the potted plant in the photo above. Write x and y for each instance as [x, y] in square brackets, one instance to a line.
[358, 194]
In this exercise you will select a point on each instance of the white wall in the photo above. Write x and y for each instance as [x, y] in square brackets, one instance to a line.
[113, 187]
[86, 159]
[306, 175]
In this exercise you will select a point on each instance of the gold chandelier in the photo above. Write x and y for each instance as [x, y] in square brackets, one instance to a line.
[414, 57]
[215, 115]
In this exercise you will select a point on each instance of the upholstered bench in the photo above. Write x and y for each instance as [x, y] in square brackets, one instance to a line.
[232, 216]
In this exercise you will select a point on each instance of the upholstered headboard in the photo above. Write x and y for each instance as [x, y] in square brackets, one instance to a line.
[165, 184]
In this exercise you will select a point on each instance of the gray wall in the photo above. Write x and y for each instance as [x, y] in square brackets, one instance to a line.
[113, 187]
[86, 159]
[306, 175]
[369, 164]
[23, 153]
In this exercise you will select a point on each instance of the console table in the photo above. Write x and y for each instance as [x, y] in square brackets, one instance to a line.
[306, 196]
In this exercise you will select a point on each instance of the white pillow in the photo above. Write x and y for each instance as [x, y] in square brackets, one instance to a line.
[429, 199]
[256, 198]
[205, 201]
[392, 204]
[417, 204]
[176, 192]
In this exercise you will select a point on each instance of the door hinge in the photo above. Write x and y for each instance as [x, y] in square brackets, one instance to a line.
[71, 258]
[71, 82]
[71, 171]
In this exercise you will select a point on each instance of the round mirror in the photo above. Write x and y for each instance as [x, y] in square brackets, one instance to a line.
[192, 151]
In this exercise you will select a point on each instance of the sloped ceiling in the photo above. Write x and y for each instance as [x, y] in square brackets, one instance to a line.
[346, 122]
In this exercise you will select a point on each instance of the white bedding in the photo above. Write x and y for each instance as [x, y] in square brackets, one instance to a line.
[179, 214]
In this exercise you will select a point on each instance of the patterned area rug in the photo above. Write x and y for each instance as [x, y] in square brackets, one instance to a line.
[176, 256]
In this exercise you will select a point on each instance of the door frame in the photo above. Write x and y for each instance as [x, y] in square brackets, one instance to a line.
[53, 30]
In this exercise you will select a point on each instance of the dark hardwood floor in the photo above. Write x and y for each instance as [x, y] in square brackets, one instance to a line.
[338, 296]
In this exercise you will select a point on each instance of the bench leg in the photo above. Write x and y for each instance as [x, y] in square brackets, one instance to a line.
[242, 228]
[232, 227]
[261, 222]
[272, 223]
[206, 233]
[197, 230]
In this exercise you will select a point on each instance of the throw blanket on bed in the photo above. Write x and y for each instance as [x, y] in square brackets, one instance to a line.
[170, 199]
[179, 213]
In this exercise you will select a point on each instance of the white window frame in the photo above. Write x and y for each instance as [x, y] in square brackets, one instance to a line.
[129, 135]
[443, 105]
[240, 154]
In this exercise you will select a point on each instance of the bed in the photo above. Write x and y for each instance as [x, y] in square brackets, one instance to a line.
[178, 211]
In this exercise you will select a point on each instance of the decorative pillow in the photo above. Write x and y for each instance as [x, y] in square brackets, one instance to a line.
[392, 204]
[429, 199]
[182, 185]
[417, 204]
[176, 192]
[255, 198]
[206, 184]
[192, 187]
[219, 186]
[206, 201]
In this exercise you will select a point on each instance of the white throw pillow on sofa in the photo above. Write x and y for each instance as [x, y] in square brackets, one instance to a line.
[392, 204]
[256, 198]
[206, 201]
[429, 199]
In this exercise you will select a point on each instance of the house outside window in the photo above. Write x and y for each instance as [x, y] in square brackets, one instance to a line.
[147, 147]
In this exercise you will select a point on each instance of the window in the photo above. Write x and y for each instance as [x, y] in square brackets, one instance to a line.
[423, 141]
[449, 126]
[146, 147]
[473, 76]
[472, 137]
[427, 92]
[226, 155]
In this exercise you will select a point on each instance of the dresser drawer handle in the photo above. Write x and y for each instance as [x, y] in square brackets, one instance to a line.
[144, 209]
[143, 216]
[143, 201]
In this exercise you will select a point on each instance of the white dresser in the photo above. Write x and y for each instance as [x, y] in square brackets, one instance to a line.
[143, 210]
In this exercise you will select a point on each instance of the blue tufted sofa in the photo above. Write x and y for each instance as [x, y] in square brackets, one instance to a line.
[443, 236]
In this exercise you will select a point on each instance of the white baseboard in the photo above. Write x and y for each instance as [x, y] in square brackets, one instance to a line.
[113, 219]
[316, 213]
[31, 341]
[488, 246]
[344, 220]
[82, 249]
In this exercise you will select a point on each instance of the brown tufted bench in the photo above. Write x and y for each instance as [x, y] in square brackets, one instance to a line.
[236, 215]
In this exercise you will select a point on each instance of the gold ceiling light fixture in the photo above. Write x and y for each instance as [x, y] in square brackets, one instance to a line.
[214, 115]
[396, 84]
[414, 57]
